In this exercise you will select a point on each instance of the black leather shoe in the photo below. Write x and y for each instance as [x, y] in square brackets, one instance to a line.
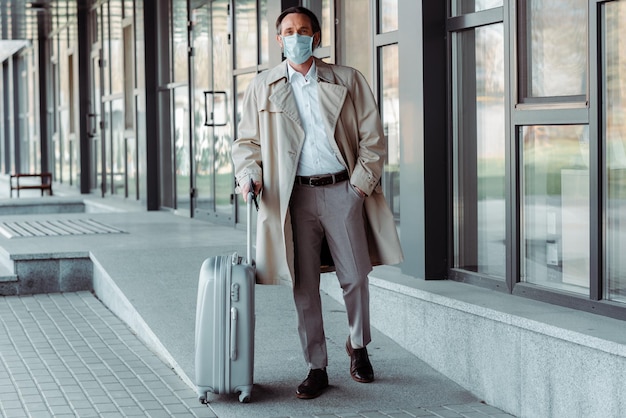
[313, 385]
[360, 367]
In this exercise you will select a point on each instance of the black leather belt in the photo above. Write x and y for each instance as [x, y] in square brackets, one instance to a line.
[323, 180]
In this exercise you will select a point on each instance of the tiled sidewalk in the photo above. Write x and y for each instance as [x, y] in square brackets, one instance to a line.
[474, 410]
[67, 355]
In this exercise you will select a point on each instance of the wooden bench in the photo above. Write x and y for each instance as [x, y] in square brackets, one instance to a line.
[44, 183]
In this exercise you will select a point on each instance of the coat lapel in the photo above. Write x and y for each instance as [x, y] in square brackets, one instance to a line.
[332, 97]
[282, 97]
[281, 94]
[332, 94]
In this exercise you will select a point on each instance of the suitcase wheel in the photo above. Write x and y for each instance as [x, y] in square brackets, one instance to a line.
[244, 397]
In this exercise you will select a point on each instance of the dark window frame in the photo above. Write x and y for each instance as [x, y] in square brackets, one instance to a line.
[523, 111]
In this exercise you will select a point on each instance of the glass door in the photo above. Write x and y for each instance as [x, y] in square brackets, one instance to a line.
[94, 123]
[213, 184]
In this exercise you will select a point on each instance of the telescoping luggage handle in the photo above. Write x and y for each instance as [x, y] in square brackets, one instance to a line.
[251, 198]
[234, 293]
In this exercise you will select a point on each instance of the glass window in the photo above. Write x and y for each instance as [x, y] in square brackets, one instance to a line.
[179, 39]
[222, 56]
[95, 26]
[128, 8]
[390, 115]
[556, 50]
[139, 47]
[246, 33]
[555, 203]
[203, 136]
[461, 7]
[129, 78]
[388, 12]
[614, 136]
[223, 81]
[181, 145]
[264, 32]
[130, 146]
[118, 148]
[107, 151]
[242, 82]
[325, 15]
[326, 22]
[354, 45]
[117, 47]
[106, 88]
[479, 151]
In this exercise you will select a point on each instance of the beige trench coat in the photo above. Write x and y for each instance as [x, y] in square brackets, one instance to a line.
[269, 144]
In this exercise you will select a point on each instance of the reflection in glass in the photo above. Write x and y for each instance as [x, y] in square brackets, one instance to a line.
[471, 6]
[129, 79]
[203, 135]
[63, 109]
[557, 41]
[222, 169]
[116, 47]
[614, 136]
[555, 202]
[390, 114]
[388, 15]
[181, 146]
[179, 40]
[264, 33]
[326, 23]
[131, 169]
[221, 48]
[106, 48]
[243, 81]
[94, 124]
[35, 150]
[355, 50]
[139, 47]
[118, 148]
[128, 8]
[479, 151]
[246, 33]
[107, 152]
[212, 76]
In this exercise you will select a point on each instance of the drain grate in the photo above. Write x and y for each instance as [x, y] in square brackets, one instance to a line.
[53, 228]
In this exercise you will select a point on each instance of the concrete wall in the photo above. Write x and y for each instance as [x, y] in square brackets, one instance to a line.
[45, 273]
[528, 358]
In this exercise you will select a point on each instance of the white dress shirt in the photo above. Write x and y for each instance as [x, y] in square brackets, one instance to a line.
[317, 156]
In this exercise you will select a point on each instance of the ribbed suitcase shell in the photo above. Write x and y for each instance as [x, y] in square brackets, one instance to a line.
[224, 342]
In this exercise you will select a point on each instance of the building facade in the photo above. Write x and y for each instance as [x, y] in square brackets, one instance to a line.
[505, 120]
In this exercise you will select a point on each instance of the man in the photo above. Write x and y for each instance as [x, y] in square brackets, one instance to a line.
[311, 141]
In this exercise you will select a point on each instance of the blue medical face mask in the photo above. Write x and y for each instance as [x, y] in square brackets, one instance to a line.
[298, 48]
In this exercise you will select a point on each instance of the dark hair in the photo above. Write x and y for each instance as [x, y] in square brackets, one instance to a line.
[315, 24]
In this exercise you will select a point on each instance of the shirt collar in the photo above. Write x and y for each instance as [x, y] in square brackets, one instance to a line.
[309, 75]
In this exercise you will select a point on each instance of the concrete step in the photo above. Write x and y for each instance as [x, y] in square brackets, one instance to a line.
[8, 281]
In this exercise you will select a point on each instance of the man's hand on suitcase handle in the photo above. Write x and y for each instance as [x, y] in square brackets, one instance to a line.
[254, 188]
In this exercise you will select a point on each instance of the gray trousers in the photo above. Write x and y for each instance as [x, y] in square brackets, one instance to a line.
[335, 212]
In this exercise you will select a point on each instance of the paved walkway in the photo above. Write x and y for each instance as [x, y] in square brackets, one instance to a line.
[68, 355]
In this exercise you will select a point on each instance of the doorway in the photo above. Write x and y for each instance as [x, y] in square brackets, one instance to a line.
[212, 180]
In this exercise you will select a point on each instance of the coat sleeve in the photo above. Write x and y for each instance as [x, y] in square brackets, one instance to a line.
[246, 149]
[372, 147]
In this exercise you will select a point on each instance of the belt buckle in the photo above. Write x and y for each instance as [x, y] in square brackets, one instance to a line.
[313, 180]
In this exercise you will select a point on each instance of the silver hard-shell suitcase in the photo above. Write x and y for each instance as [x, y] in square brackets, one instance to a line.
[224, 339]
